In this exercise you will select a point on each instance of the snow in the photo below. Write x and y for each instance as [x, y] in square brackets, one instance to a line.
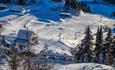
[83, 66]
[4, 67]
[58, 47]
[56, 33]
[71, 29]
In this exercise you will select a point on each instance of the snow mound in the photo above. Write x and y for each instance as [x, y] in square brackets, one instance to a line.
[83, 66]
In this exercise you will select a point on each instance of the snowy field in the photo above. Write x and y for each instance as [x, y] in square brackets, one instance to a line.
[70, 31]
[80, 66]
[83, 66]
[57, 33]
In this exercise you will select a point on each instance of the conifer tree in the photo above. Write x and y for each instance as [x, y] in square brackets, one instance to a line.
[76, 53]
[72, 4]
[113, 46]
[98, 44]
[99, 49]
[108, 48]
[113, 49]
[98, 40]
[86, 47]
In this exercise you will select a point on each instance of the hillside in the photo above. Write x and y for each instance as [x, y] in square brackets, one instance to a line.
[58, 30]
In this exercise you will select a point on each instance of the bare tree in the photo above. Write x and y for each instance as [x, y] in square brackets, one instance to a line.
[14, 59]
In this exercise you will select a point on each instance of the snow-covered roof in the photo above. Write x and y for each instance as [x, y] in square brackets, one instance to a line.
[24, 34]
[21, 41]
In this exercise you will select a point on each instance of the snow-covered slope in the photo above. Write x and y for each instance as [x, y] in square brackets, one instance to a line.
[56, 34]
[70, 31]
[83, 66]
[57, 38]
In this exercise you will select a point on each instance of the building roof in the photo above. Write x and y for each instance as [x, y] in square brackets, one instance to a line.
[21, 41]
[24, 34]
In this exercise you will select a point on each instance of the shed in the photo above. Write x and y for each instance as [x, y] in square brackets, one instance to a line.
[25, 36]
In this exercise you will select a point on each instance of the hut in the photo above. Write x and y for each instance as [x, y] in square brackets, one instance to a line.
[25, 37]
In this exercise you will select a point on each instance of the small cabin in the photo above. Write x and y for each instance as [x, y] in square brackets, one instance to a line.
[25, 37]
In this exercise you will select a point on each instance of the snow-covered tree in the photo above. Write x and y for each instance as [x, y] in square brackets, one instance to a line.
[99, 49]
[86, 47]
[76, 54]
[113, 46]
[113, 49]
[108, 46]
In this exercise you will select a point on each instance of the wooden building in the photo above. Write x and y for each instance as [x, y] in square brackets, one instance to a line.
[26, 37]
